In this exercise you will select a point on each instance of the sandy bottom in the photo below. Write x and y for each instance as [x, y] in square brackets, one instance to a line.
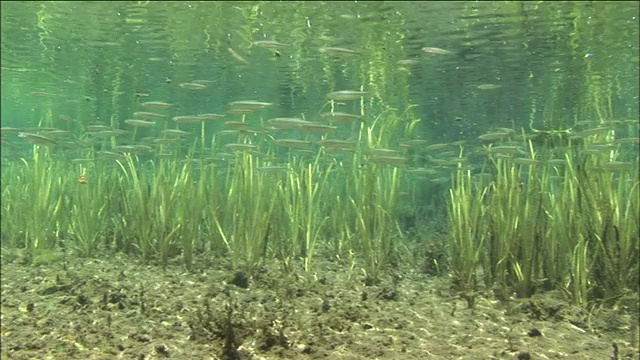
[116, 307]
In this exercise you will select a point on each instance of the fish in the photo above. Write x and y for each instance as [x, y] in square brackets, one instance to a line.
[156, 105]
[137, 148]
[5, 142]
[488, 86]
[240, 147]
[188, 119]
[175, 132]
[335, 143]
[407, 63]
[288, 123]
[421, 171]
[504, 149]
[143, 115]
[436, 146]
[526, 161]
[248, 132]
[37, 139]
[237, 56]
[235, 124]
[202, 82]
[108, 133]
[109, 155]
[339, 150]
[246, 107]
[167, 141]
[591, 132]
[304, 152]
[596, 149]
[269, 44]
[192, 86]
[557, 162]
[338, 51]
[97, 127]
[139, 123]
[388, 160]
[228, 132]
[344, 95]
[42, 94]
[616, 165]
[57, 133]
[436, 51]
[9, 130]
[210, 116]
[291, 143]
[493, 136]
[383, 152]
[340, 117]
[272, 168]
[82, 180]
[629, 140]
[413, 143]
[82, 160]
[249, 104]
[317, 128]
[66, 118]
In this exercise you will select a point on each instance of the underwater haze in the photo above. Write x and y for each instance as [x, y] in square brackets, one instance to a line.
[344, 180]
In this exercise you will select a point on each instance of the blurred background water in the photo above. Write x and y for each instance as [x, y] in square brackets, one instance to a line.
[463, 69]
[89, 59]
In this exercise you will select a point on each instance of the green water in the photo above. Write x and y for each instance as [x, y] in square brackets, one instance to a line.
[106, 52]
[435, 73]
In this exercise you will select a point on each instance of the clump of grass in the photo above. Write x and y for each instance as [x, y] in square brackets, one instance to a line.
[149, 207]
[190, 209]
[305, 213]
[467, 229]
[246, 213]
[43, 200]
[537, 227]
[372, 191]
[89, 210]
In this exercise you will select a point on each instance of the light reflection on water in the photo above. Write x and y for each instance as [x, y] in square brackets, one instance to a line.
[94, 52]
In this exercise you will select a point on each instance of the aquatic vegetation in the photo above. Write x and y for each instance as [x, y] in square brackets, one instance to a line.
[89, 209]
[531, 226]
[376, 229]
[466, 229]
[539, 198]
[41, 198]
[245, 214]
[305, 212]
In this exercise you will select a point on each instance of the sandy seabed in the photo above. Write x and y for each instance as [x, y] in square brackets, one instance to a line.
[116, 307]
